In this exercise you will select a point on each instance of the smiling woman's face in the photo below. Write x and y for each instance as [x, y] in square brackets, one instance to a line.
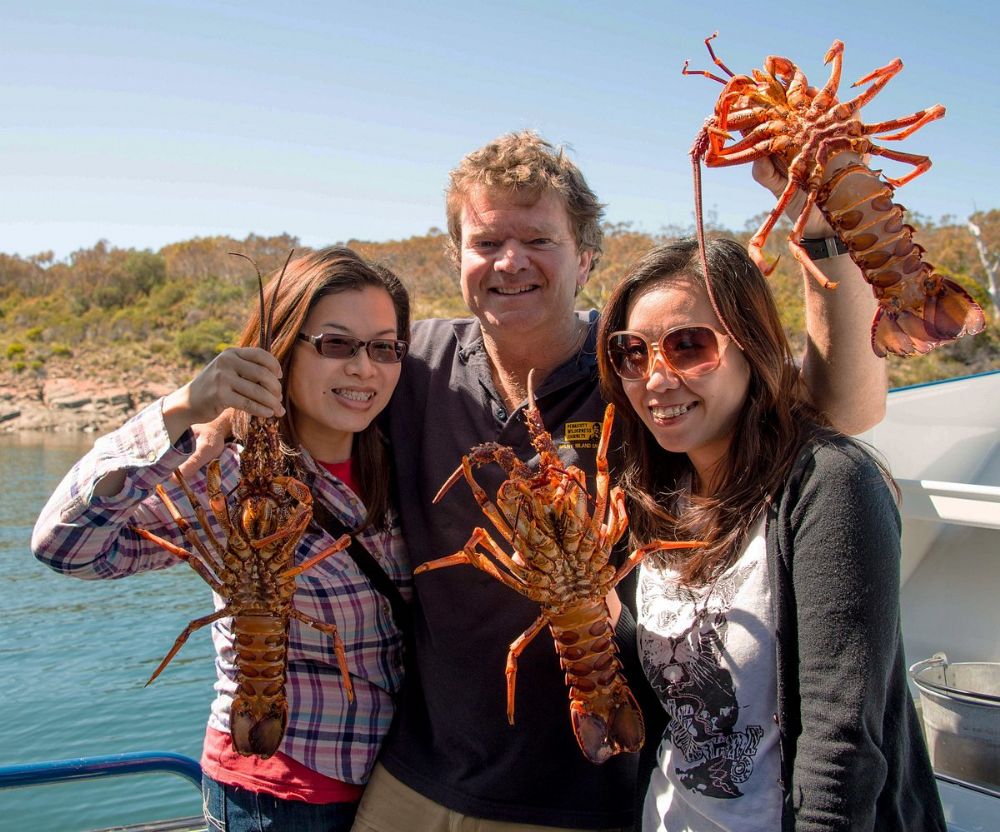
[691, 415]
[333, 398]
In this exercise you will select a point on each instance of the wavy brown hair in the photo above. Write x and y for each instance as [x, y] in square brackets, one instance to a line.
[526, 166]
[776, 419]
[306, 280]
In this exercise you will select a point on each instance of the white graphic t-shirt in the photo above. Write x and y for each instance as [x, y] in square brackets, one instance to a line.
[709, 654]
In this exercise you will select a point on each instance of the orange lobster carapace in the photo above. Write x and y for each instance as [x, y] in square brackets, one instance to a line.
[254, 572]
[803, 128]
[562, 563]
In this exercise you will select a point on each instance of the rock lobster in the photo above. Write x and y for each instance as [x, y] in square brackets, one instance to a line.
[778, 114]
[562, 563]
[253, 571]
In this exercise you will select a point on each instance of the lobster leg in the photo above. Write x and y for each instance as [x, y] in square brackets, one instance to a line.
[715, 58]
[185, 555]
[523, 578]
[199, 512]
[338, 646]
[799, 253]
[296, 526]
[517, 647]
[911, 123]
[306, 565]
[183, 637]
[756, 245]
[469, 555]
[216, 499]
[828, 95]
[706, 73]
[216, 564]
[603, 478]
[489, 509]
[921, 164]
[880, 77]
[617, 521]
[634, 559]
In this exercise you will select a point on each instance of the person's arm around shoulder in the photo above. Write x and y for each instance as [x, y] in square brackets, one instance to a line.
[844, 377]
[844, 531]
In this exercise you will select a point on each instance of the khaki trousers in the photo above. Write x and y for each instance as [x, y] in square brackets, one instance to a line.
[391, 806]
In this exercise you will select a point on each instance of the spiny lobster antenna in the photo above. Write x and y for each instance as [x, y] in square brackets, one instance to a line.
[697, 153]
[715, 60]
[265, 329]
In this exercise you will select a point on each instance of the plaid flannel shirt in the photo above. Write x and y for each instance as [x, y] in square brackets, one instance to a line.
[90, 537]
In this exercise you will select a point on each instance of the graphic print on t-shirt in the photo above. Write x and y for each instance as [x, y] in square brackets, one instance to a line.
[689, 676]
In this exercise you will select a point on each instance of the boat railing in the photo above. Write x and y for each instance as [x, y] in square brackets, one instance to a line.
[109, 765]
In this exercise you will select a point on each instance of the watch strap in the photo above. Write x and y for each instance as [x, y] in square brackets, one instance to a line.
[820, 248]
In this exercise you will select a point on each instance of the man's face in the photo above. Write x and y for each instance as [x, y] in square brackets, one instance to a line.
[520, 265]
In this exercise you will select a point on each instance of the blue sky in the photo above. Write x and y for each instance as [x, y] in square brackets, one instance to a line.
[145, 123]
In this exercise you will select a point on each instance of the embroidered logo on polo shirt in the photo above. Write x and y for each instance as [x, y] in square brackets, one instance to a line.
[582, 434]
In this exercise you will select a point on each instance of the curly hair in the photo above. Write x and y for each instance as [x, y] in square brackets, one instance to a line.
[525, 165]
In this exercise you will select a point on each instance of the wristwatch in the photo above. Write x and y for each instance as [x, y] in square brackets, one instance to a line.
[817, 249]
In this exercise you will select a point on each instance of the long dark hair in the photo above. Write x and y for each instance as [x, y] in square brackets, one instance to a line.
[307, 279]
[775, 421]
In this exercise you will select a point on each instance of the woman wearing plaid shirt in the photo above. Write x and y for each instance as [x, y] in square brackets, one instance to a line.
[340, 326]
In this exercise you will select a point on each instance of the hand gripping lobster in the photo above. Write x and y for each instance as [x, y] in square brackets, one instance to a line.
[561, 561]
[803, 129]
[254, 572]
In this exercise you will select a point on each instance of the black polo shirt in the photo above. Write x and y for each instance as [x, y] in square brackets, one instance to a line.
[451, 741]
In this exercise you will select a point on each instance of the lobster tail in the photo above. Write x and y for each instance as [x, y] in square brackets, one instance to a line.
[619, 729]
[948, 312]
[918, 308]
[259, 713]
[606, 718]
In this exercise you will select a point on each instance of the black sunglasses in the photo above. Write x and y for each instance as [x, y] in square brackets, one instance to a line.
[380, 350]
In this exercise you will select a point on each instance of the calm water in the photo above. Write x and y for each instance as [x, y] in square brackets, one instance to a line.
[74, 656]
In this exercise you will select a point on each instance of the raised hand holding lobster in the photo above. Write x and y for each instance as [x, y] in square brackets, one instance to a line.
[809, 133]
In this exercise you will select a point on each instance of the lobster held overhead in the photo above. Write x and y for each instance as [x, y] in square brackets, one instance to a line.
[778, 114]
[562, 562]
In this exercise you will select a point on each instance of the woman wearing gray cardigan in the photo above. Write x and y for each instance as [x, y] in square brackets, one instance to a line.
[774, 650]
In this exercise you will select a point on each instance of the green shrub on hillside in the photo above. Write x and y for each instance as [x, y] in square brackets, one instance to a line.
[199, 344]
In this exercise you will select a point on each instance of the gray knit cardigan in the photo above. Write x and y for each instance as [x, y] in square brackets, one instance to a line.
[853, 756]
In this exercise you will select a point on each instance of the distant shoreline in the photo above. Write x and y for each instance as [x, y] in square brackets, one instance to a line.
[66, 405]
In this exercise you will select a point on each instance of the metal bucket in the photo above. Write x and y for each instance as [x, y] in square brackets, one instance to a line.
[961, 711]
